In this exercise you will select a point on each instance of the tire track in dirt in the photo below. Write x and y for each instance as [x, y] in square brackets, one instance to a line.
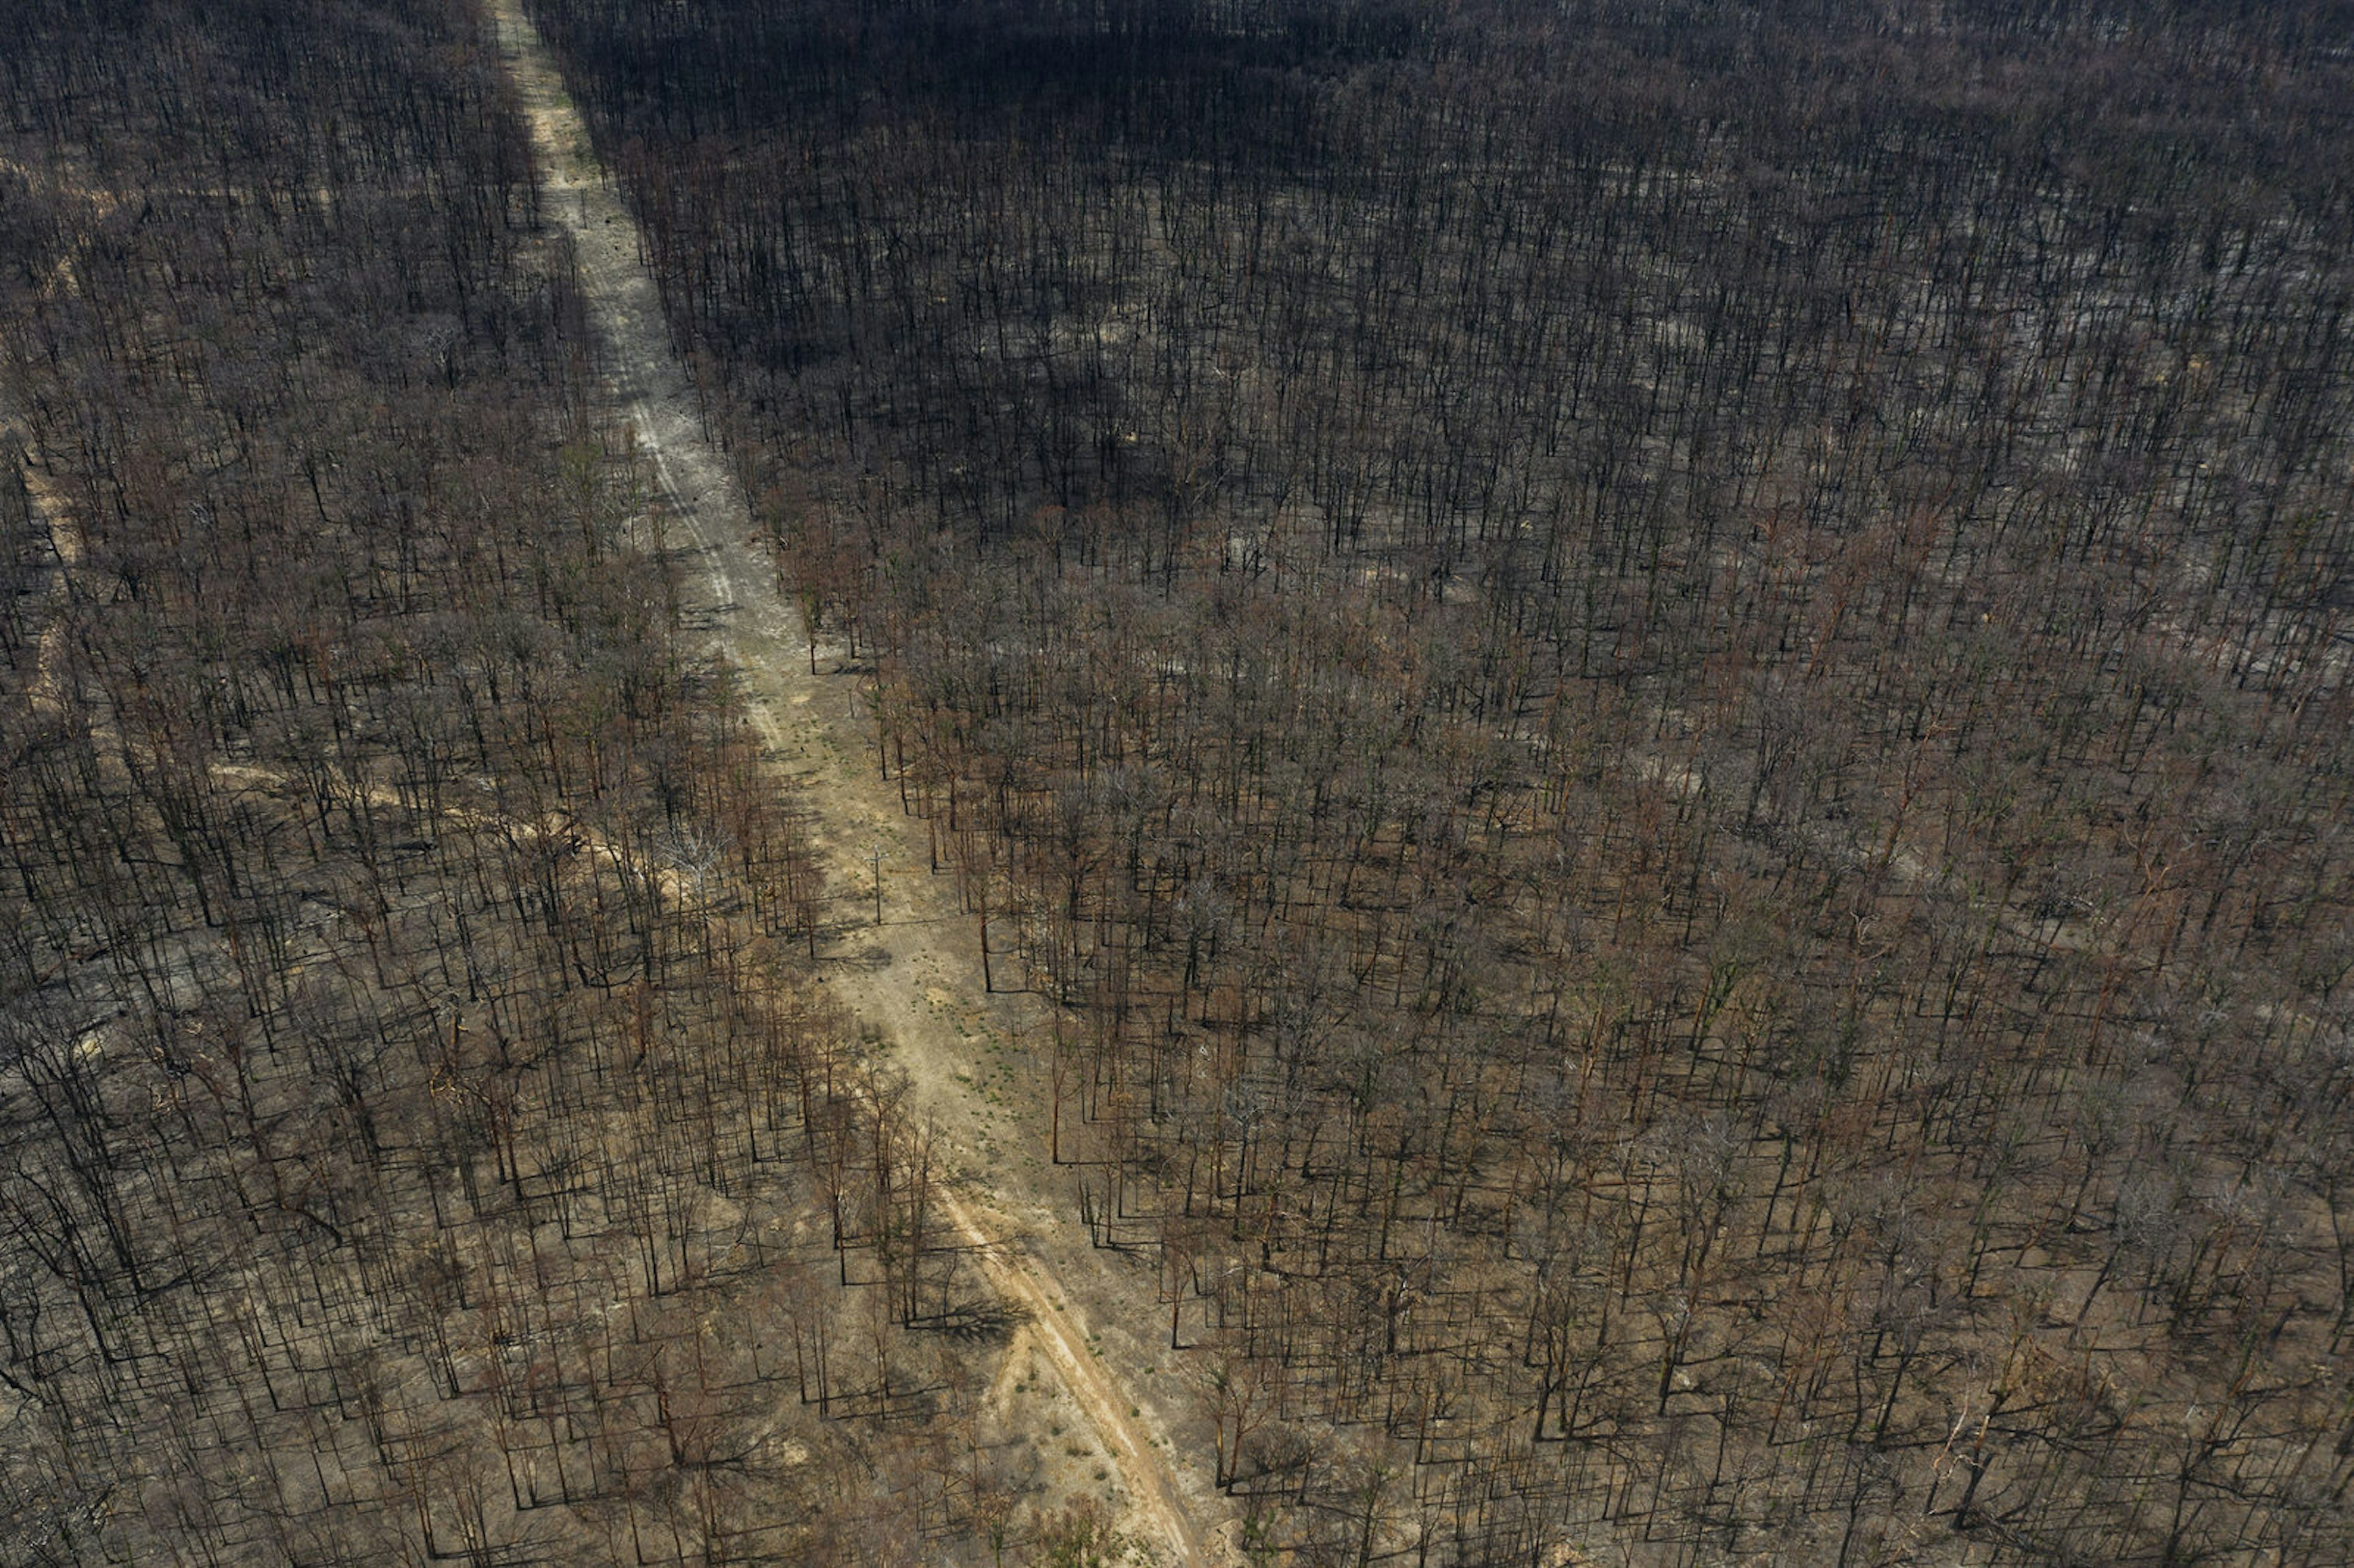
[856, 813]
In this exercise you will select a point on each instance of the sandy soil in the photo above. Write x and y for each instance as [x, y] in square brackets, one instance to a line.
[915, 979]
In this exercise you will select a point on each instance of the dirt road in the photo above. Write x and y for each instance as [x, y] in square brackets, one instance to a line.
[913, 978]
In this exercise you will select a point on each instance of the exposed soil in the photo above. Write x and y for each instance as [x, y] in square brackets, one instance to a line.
[46, 694]
[915, 979]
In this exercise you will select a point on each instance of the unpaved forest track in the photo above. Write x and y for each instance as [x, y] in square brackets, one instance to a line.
[46, 693]
[915, 983]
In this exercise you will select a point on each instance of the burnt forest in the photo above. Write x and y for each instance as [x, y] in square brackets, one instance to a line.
[1119, 782]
